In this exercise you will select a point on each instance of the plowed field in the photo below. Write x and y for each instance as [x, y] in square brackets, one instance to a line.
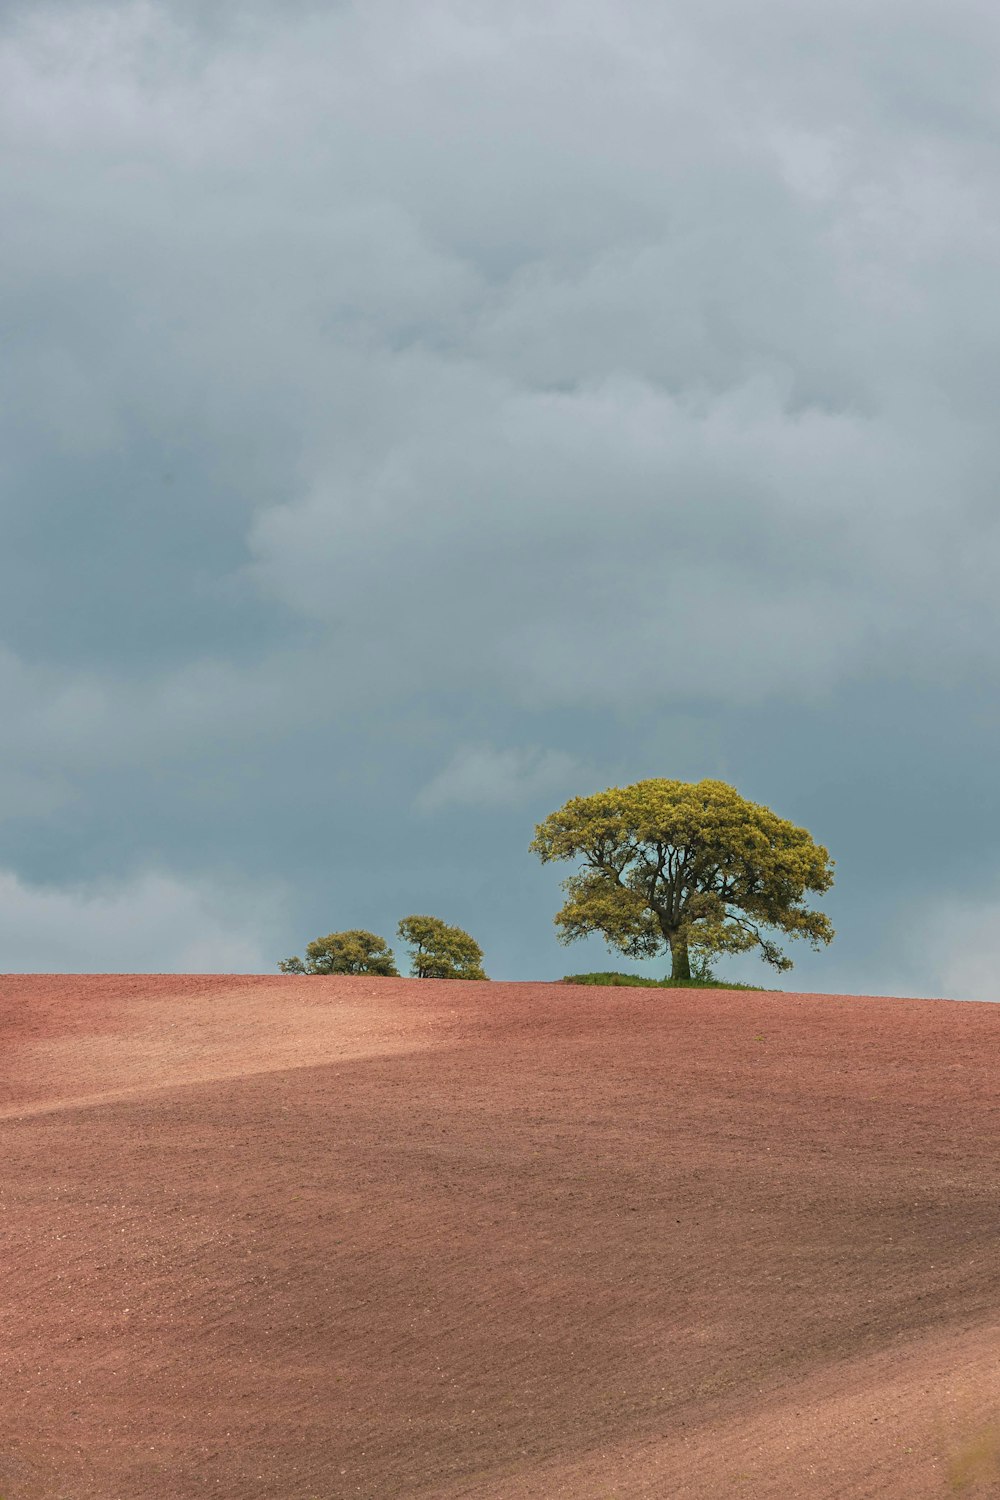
[303, 1239]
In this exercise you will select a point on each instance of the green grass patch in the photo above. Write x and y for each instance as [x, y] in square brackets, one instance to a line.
[638, 981]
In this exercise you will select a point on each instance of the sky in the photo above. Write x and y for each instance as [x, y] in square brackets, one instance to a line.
[415, 415]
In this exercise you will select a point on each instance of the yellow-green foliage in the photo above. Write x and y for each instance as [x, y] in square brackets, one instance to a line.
[687, 865]
[440, 951]
[353, 952]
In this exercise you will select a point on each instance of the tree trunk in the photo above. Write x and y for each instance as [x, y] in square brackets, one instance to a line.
[680, 962]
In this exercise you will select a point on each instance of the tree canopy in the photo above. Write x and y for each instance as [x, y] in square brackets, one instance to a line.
[686, 866]
[440, 951]
[353, 952]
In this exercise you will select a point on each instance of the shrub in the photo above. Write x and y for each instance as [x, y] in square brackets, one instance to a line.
[638, 981]
[353, 952]
[440, 951]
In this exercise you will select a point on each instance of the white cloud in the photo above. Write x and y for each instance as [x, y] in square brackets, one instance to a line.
[955, 946]
[153, 924]
[481, 776]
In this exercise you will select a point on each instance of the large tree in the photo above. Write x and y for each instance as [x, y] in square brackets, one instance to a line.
[353, 952]
[440, 951]
[685, 865]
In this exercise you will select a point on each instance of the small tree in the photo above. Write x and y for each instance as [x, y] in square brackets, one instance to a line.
[693, 867]
[440, 951]
[701, 964]
[354, 952]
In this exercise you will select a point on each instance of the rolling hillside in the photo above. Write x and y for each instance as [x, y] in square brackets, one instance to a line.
[287, 1238]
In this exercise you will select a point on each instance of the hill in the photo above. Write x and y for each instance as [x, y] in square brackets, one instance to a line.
[308, 1237]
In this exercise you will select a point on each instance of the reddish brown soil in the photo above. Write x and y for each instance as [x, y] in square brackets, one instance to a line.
[303, 1239]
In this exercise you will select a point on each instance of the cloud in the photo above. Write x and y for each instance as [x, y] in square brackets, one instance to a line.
[956, 942]
[381, 380]
[156, 923]
[481, 776]
[476, 378]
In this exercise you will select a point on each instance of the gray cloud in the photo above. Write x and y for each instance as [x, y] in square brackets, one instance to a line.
[155, 923]
[481, 775]
[384, 380]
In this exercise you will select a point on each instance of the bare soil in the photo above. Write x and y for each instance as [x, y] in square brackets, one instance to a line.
[285, 1238]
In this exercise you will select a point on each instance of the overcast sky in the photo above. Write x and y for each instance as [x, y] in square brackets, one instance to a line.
[416, 414]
